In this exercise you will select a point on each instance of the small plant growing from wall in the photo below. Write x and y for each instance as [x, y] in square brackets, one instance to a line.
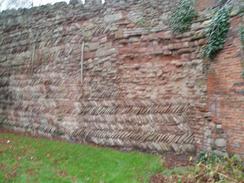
[143, 23]
[181, 18]
[216, 32]
[242, 36]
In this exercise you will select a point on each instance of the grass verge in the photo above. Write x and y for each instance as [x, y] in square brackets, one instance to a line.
[24, 159]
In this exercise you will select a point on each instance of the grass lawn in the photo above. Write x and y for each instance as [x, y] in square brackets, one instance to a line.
[24, 159]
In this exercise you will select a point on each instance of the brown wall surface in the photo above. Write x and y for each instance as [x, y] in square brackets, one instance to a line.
[226, 93]
[135, 84]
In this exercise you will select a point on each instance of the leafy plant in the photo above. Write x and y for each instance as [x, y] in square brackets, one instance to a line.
[210, 167]
[141, 22]
[242, 74]
[209, 158]
[216, 32]
[242, 36]
[182, 16]
[222, 1]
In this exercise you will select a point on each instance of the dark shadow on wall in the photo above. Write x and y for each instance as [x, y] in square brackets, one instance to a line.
[5, 94]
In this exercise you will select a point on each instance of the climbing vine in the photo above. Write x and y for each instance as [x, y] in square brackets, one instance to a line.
[216, 32]
[181, 18]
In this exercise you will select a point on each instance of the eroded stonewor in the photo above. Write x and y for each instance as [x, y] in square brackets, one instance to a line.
[134, 84]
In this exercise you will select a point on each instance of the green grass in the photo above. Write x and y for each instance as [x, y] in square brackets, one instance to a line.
[24, 159]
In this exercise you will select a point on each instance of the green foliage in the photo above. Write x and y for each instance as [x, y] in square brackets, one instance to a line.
[242, 36]
[210, 167]
[222, 1]
[25, 159]
[209, 158]
[242, 74]
[141, 22]
[222, 170]
[182, 16]
[216, 32]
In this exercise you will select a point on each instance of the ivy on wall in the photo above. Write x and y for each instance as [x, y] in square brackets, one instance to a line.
[181, 18]
[216, 32]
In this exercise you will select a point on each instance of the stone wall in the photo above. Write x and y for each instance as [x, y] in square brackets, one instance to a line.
[133, 85]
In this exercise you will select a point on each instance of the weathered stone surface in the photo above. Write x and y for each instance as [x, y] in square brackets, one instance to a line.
[113, 17]
[74, 2]
[220, 142]
[134, 84]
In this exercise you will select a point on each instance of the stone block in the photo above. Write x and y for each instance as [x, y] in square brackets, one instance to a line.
[220, 142]
[113, 17]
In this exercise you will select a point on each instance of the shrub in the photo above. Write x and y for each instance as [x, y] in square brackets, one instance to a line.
[182, 16]
[216, 32]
